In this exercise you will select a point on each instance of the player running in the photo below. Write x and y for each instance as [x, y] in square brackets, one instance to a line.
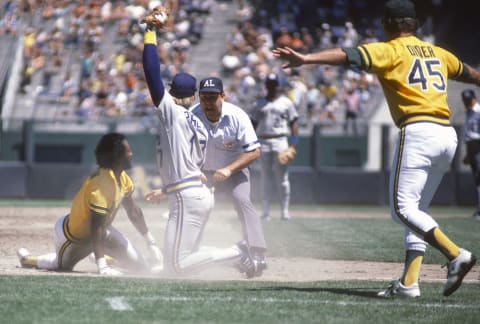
[414, 76]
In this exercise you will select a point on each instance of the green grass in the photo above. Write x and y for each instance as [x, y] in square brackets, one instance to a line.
[58, 299]
[75, 299]
[359, 239]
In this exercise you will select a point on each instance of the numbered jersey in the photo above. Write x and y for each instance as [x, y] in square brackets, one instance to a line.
[274, 117]
[181, 142]
[413, 75]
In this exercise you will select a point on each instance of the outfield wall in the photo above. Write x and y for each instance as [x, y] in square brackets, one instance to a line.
[61, 181]
[329, 168]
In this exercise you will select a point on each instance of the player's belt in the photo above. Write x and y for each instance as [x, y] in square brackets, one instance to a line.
[415, 118]
[269, 136]
[191, 182]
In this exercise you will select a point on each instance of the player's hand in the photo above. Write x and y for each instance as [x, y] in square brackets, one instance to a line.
[155, 196]
[222, 174]
[105, 269]
[286, 53]
[157, 19]
[287, 156]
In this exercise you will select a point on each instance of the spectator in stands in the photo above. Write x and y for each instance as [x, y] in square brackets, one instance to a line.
[351, 100]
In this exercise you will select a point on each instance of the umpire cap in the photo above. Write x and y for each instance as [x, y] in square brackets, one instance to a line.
[183, 85]
[211, 84]
[399, 9]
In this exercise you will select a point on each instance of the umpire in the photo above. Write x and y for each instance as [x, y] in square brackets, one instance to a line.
[472, 139]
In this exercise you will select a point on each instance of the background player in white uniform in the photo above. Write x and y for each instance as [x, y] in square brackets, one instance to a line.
[471, 136]
[414, 76]
[182, 140]
[232, 146]
[88, 226]
[274, 118]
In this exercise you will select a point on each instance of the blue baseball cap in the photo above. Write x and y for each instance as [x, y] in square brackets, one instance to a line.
[183, 85]
[211, 84]
[272, 79]
[468, 94]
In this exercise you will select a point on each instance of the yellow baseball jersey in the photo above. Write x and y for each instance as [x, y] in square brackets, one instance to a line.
[100, 193]
[413, 75]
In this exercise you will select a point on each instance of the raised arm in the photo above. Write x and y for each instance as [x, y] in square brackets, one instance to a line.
[151, 67]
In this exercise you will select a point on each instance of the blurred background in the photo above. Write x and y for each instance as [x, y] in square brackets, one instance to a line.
[71, 71]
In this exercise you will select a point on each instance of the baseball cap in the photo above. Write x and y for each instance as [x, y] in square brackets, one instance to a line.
[211, 84]
[399, 9]
[183, 85]
[468, 94]
[271, 79]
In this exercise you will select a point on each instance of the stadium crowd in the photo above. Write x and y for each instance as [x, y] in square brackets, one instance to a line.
[87, 54]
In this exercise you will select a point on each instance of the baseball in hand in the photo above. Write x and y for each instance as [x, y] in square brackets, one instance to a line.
[161, 17]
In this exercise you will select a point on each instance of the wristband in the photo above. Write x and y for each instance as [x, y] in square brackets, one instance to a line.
[293, 140]
[149, 238]
[150, 37]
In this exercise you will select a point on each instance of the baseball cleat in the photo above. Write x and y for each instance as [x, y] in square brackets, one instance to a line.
[265, 217]
[396, 289]
[285, 217]
[457, 269]
[26, 260]
[247, 264]
[260, 264]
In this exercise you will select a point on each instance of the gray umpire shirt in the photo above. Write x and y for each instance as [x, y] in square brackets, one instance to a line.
[232, 135]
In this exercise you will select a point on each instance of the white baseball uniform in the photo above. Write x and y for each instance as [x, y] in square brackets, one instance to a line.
[273, 120]
[181, 145]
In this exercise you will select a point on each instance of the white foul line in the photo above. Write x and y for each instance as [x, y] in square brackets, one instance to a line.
[311, 301]
[119, 303]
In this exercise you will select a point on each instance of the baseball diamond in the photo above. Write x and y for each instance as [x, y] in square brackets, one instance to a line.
[19, 227]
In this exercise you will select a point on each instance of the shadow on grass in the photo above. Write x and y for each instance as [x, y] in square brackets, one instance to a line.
[360, 292]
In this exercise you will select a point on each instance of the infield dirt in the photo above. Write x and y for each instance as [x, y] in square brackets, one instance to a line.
[32, 228]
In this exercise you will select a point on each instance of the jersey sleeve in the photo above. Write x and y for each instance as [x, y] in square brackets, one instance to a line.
[97, 201]
[127, 184]
[292, 112]
[151, 67]
[376, 57]
[246, 133]
[455, 67]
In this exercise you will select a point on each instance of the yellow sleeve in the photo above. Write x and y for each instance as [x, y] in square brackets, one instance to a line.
[150, 37]
[127, 184]
[97, 202]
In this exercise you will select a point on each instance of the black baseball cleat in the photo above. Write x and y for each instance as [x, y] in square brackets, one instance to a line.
[260, 264]
[247, 264]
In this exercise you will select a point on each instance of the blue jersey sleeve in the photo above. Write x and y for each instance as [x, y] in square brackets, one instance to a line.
[151, 68]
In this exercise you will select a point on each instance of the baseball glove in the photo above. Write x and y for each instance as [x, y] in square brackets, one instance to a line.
[287, 156]
[158, 18]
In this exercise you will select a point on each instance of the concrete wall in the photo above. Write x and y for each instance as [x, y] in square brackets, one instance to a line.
[329, 186]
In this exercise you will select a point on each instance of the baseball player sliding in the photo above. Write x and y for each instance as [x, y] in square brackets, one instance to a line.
[88, 226]
[414, 76]
[181, 144]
